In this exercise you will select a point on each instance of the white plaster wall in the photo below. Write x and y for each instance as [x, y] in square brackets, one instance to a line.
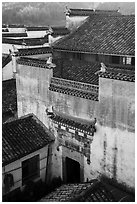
[32, 92]
[15, 168]
[75, 106]
[104, 165]
[36, 34]
[115, 121]
[17, 30]
[7, 72]
[53, 39]
[6, 47]
[73, 22]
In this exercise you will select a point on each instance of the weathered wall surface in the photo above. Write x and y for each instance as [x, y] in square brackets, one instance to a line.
[74, 22]
[74, 106]
[6, 47]
[7, 72]
[113, 155]
[117, 104]
[32, 92]
[36, 34]
[112, 149]
[17, 30]
[15, 168]
[52, 39]
[116, 131]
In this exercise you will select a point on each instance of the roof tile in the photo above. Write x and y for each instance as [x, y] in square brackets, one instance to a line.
[102, 34]
[22, 137]
[92, 191]
[77, 70]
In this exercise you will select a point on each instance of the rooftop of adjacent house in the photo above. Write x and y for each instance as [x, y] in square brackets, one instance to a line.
[9, 96]
[34, 62]
[86, 72]
[5, 30]
[119, 74]
[8, 34]
[36, 28]
[59, 30]
[33, 51]
[77, 70]
[93, 191]
[4, 26]
[16, 26]
[6, 58]
[88, 12]
[102, 34]
[22, 137]
[26, 41]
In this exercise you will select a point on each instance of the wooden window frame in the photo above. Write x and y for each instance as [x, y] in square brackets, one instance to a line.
[32, 168]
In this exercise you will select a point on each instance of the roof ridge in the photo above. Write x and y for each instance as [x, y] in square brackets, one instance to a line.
[21, 118]
[71, 33]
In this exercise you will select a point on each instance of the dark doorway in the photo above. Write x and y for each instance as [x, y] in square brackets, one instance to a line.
[72, 171]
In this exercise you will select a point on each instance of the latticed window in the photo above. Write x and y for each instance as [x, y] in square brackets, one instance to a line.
[30, 169]
[128, 60]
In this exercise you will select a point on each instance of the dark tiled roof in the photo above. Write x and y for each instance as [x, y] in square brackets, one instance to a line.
[16, 26]
[83, 192]
[102, 34]
[73, 88]
[14, 34]
[22, 137]
[88, 12]
[6, 59]
[33, 51]
[26, 41]
[4, 26]
[74, 122]
[32, 62]
[36, 28]
[5, 30]
[77, 70]
[119, 74]
[9, 96]
[60, 31]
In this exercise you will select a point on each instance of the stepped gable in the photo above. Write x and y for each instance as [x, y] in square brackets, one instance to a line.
[102, 34]
[22, 137]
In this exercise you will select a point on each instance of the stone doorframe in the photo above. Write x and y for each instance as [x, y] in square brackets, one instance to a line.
[77, 156]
